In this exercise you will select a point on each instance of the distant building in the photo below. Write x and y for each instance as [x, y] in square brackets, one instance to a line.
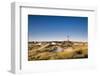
[53, 43]
[39, 43]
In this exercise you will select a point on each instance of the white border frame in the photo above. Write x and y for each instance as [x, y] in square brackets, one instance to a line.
[16, 62]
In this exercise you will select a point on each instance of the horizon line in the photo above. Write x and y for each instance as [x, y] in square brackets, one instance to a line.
[55, 40]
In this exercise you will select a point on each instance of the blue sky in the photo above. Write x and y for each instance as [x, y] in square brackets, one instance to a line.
[57, 28]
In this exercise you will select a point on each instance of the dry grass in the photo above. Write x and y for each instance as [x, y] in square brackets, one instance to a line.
[79, 51]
